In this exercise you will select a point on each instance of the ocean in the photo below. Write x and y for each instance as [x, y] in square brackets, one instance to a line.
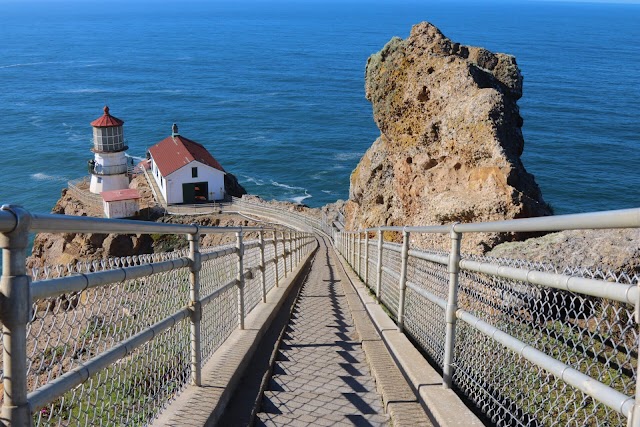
[275, 89]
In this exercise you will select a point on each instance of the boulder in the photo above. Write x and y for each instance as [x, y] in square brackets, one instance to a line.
[450, 143]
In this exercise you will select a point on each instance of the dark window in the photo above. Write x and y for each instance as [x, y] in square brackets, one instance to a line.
[194, 172]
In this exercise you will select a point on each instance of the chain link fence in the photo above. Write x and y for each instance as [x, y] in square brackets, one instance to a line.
[528, 348]
[110, 342]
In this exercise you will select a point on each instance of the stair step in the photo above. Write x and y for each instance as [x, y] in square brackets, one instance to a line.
[322, 404]
[300, 419]
[321, 368]
[339, 382]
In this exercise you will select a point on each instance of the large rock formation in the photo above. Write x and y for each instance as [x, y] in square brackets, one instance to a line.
[616, 251]
[450, 141]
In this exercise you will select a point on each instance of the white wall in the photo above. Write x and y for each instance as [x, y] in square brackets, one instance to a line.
[156, 175]
[212, 176]
[120, 208]
[100, 183]
[110, 159]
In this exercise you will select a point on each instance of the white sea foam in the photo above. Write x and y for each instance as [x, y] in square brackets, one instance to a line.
[288, 187]
[136, 158]
[84, 90]
[26, 64]
[256, 181]
[299, 199]
[44, 177]
[343, 157]
[36, 121]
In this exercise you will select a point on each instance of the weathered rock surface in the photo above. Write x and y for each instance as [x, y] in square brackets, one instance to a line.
[51, 249]
[232, 187]
[450, 141]
[68, 248]
[617, 251]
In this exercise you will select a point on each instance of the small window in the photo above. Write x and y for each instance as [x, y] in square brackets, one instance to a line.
[194, 172]
[99, 180]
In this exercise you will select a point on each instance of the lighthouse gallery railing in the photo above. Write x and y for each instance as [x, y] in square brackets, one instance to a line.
[112, 341]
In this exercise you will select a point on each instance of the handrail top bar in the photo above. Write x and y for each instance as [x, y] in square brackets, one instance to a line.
[621, 218]
[83, 224]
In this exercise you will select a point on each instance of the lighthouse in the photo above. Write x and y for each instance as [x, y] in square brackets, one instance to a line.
[108, 168]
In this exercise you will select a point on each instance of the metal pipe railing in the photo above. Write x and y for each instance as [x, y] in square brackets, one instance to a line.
[17, 293]
[513, 301]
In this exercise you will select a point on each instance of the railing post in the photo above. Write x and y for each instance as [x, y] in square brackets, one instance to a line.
[359, 254]
[403, 279]
[634, 417]
[379, 266]
[353, 249]
[196, 308]
[263, 276]
[292, 254]
[15, 313]
[366, 258]
[452, 307]
[240, 279]
[284, 254]
[275, 255]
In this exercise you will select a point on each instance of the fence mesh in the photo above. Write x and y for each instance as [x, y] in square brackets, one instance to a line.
[253, 285]
[68, 330]
[220, 317]
[389, 288]
[424, 320]
[595, 336]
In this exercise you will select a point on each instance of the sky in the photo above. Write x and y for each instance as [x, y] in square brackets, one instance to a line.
[307, 1]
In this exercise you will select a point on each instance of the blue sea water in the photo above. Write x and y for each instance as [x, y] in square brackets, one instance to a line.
[275, 89]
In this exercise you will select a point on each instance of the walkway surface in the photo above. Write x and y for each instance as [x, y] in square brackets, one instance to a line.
[321, 376]
[330, 366]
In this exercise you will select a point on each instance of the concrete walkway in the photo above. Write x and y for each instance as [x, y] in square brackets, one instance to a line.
[322, 375]
[331, 366]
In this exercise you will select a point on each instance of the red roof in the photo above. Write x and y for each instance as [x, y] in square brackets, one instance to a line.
[107, 120]
[176, 151]
[117, 195]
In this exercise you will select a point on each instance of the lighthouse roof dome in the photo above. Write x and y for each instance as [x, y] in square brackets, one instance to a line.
[107, 120]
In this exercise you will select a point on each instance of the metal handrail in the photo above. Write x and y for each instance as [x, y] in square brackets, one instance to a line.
[17, 293]
[348, 243]
[623, 218]
[71, 224]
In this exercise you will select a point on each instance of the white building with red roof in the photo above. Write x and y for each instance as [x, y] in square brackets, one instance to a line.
[120, 203]
[185, 171]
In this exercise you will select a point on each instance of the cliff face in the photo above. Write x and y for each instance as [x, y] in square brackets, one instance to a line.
[450, 141]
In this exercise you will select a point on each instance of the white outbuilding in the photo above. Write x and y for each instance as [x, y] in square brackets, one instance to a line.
[120, 203]
[185, 171]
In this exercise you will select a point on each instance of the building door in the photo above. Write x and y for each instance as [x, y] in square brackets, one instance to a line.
[196, 192]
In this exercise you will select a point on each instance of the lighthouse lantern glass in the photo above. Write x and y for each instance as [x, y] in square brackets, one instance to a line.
[108, 138]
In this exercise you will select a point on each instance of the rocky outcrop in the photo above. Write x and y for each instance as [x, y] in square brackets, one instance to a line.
[617, 251]
[232, 187]
[68, 248]
[450, 141]
[51, 249]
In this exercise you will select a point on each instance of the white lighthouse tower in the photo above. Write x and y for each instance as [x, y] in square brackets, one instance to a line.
[109, 167]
